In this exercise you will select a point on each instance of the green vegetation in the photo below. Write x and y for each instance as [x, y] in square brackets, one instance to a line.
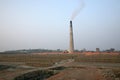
[116, 72]
[3, 67]
[28, 51]
[36, 75]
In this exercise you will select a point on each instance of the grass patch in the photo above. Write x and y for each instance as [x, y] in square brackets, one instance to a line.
[36, 75]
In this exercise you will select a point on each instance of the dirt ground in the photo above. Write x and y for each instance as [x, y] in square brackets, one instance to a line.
[79, 74]
[77, 67]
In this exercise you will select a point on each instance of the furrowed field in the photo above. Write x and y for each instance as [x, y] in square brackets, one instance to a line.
[60, 66]
[45, 60]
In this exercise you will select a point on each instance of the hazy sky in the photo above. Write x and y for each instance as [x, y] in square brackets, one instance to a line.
[27, 24]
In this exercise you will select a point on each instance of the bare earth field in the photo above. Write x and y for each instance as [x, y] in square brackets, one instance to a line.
[60, 66]
[78, 74]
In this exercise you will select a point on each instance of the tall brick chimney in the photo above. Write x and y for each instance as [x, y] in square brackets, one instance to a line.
[71, 45]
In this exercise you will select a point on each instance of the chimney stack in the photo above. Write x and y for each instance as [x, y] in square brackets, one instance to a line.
[71, 46]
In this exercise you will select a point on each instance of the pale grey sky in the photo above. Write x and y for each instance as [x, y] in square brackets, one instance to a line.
[44, 24]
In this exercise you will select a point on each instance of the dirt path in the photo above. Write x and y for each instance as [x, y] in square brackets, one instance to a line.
[90, 73]
[72, 71]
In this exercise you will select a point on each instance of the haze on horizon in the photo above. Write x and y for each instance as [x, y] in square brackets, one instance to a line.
[30, 24]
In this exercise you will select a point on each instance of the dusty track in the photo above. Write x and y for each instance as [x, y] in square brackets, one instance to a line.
[76, 67]
[79, 74]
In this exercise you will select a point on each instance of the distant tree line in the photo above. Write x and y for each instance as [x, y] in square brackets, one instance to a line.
[25, 51]
[98, 50]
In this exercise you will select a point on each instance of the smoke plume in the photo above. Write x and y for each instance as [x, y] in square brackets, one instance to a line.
[78, 10]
